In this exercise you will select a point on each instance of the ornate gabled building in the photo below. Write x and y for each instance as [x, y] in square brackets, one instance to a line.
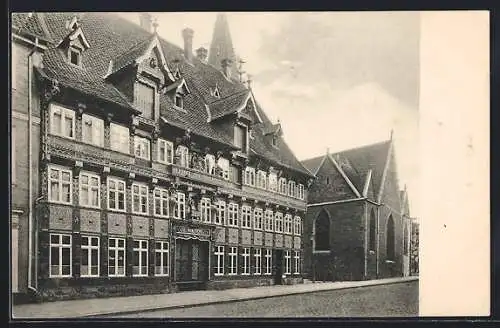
[148, 170]
[358, 222]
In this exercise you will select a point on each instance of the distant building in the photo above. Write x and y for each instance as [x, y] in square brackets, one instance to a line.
[146, 169]
[357, 224]
[414, 264]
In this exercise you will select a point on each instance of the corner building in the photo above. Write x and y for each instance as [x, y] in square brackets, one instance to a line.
[156, 172]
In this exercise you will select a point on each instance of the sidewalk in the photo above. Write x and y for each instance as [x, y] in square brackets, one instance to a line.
[109, 306]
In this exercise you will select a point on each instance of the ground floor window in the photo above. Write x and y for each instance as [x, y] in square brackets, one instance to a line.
[296, 257]
[116, 257]
[90, 257]
[233, 260]
[219, 260]
[140, 266]
[287, 262]
[161, 258]
[258, 260]
[60, 255]
[245, 257]
[268, 257]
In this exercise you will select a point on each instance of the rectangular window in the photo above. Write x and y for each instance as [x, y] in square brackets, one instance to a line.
[246, 216]
[220, 212]
[257, 219]
[161, 200]
[89, 266]
[278, 222]
[233, 260]
[205, 209]
[232, 215]
[62, 121]
[165, 151]
[250, 176]
[219, 262]
[60, 255]
[301, 191]
[223, 165]
[268, 220]
[140, 198]
[144, 99]
[116, 194]
[288, 223]
[234, 174]
[119, 138]
[140, 266]
[60, 185]
[75, 57]
[269, 261]
[182, 156]
[180, 206]
[245, 257]
[92, 130]
[141, 147]
[90, 189]
[261, 179]
[273, 182]
[296, 258]
[258, 260]
[291, 188]
[161, 258]
[297, 226]
[210, 164]
[240, 137]
[282, 186]
[288, 263]
[116, 257]
[179, 101]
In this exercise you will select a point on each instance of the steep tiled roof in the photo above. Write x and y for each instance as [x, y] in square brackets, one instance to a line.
[312, 164]
[30, 23]
[132, 54]
[114, 38]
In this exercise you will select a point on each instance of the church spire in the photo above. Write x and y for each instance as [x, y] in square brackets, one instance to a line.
[221, 47]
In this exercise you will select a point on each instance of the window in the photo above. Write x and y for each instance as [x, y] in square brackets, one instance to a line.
[246, 216]
[288, 223]
[268, 220]
[301, 191]
[119, 138]
[180, 206]
[261, 179]
[234, 174]
[373, 231]
[269, 261]
[327, 180]
[288, 263]
[245, 257]
[258, 260]
[141, 147]
[297, 226]
[161, 258]
[116, 257]
[282, 186]
[322, 232]
[205, 209]
[273, 182]
[223, 164]
[62, 121]
[90, 257]
[90, 186]
[274, 141]
[92, 130]
[161, 199]
[179, 101]
[139, 198]
[250, 176]
[296, 258]
[60, 255]
[219, 262]
[278, 222]
[220, 212]
[144, 99]
[240, 137]
[233, 260]
[182, 156]
[140, 265]
[390, 243]
[60, 186]
[75, 56]
[210, 164]
[116, 194]
[165, 151]
[291, 188]
[257, 219]
[232, 217]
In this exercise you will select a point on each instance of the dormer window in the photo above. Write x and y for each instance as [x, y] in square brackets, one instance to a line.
[74, 43]
[274, 141]
[179, 101]
[215, 92]
[144, 99]
[75, 56]
[240, 137]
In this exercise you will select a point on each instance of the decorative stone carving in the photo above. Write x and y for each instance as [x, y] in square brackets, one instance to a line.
[232, 235]
[246, 237]
[257, 238]
[90, 221]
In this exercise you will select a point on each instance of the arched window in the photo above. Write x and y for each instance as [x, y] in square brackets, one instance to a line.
[373, 231]
[390, 239]
[322, 232]
[405, 240]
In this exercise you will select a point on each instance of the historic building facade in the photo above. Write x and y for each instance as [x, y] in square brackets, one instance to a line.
[151, 170]
[358, 223]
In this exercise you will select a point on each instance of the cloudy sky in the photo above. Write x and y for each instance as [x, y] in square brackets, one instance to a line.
[334, 80]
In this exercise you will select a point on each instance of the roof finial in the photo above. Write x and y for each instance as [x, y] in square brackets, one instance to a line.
[249, 81]
[155, 25]
[392, 132]
[327, 150]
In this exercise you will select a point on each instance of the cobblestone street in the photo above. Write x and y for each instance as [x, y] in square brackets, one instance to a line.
[395, 300]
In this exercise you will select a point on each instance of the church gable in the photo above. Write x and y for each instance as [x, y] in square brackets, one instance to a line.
[390, 190]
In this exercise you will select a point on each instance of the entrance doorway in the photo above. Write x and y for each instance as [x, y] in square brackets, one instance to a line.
[191, 263]
[278, 256]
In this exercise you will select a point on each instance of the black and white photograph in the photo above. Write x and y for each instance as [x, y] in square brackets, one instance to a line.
[185, 165]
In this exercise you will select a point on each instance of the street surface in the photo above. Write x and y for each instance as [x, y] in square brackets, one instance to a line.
[393, 300]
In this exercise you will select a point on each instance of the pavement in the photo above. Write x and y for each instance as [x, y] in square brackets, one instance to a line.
[137, 304]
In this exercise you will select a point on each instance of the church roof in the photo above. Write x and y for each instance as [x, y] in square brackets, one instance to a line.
[222, 45]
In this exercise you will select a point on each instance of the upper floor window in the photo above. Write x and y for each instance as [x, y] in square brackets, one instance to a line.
[119, 138]
[220, 212]
[301, 191]
[232, 217]
[257, 219]
[278, 222]
[144, 99]
[182, 154]
[223, 164]
[161, 200]
[92, 130]
[116, 194]
[250, 176]
[268, 220]
[165, 151]
[60, 186]
[140, 198]
[205, 210]
[282, 186]
[297, 226]
[246, 216]
[261, 179]
[240, 137]
[180, 206]
[291, 188]
[75, 56]
[179, 100]
[288, 223]
[89, 189]
[273, 182]
[62, 121]
[141, 147]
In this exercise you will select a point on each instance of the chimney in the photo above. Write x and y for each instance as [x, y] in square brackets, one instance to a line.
[146, 22]
[201, 54]
[226, 67]
[187, 34]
